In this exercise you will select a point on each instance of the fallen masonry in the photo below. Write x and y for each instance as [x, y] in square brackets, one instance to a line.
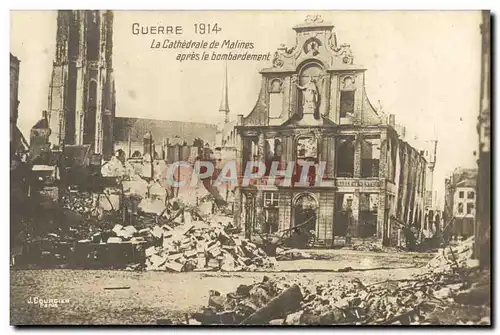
[450, 290]
[177, 237]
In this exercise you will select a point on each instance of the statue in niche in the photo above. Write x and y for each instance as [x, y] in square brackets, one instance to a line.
[310, 96]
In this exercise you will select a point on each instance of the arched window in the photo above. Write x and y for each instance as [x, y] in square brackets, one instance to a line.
[305, 214]
[137, 154]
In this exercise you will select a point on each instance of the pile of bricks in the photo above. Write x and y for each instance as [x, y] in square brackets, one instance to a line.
[439, 295]
[199, 245]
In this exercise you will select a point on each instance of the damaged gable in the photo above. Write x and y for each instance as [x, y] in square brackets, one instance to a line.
[313, 83]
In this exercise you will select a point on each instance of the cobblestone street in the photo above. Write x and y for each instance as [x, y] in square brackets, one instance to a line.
[156, 295]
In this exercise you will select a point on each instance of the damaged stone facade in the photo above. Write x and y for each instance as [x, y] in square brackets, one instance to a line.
[460, 202]
[172, 140]
[82, 90]
[313, 108]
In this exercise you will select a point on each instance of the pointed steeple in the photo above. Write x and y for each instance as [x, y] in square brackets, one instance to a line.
[224, 103]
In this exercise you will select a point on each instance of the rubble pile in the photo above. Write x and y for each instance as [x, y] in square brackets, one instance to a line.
[420, 300]
[198, 245]
[452, 258]
[368, 245]
[177, 237]
[269, 299]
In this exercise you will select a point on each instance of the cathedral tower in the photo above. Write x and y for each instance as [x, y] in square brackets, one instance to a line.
[82, 91]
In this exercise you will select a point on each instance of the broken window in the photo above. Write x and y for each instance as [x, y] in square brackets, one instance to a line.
[275, 99]
[345, 158]
[271, 212]
[272, 153]
[470, 195]
[271, 220]
[370, 156]
[275, 105]
[307, 156]
[346, 103]
[271, 199]
[470, 209]
[368, 206]
[460, 209]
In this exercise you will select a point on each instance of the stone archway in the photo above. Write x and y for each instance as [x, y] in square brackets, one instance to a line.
[305, 216]
[305, 209]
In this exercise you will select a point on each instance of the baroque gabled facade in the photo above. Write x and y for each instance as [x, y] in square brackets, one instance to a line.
[313, 109]
[82, 91]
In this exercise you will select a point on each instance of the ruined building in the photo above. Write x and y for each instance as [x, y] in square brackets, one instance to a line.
[17, 141]
[168, 137]
[460, 202]
[82, 92]
[313, 108]
[482, 231]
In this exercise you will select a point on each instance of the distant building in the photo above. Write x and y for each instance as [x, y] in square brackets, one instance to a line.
[460, 202]
[17, 141]
[131, 134]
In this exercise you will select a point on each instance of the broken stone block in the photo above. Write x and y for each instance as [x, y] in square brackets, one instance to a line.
[276, 322]
[294, 318]
[157, 261]
[144, 232]
[191, 253]
[157, 232]
[215, 251]
[173, 266]
[130, 229]
[137, 240]
[216, 301]
[213, 263]
[114, 240]
[150, 251]
[193, 322]
[175, 257]
[117, 228]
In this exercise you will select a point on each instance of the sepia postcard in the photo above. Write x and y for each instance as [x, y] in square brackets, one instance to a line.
[250, 168]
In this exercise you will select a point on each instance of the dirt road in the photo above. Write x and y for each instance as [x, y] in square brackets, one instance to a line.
[148, 296]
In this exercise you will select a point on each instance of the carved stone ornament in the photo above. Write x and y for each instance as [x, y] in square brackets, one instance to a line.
[314, 18]
[343, 50]
[277, 61]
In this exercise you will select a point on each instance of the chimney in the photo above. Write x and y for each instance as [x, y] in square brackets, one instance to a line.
[239, 120]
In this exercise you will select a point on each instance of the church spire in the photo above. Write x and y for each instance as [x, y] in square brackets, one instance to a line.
[224, 103]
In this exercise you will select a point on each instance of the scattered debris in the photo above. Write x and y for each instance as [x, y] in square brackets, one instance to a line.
[420, 300]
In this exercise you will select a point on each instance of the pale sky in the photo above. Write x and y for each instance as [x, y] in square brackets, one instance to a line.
[423, 66]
